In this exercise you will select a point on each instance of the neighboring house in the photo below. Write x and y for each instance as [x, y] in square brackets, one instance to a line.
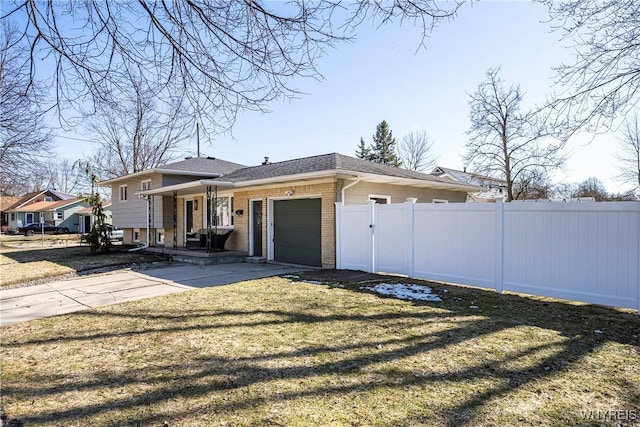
[282, 211]
[491, 187]
[87, 217]
[55, 208]
[5, 203]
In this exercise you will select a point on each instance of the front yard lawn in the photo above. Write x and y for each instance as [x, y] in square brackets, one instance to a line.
[283, 352]
[20, 264]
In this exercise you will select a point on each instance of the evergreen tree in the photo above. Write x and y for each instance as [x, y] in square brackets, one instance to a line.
[363, 152]
[383, 149]
[384, 146]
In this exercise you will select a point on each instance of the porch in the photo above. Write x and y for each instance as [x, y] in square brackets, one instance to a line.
[200, 256]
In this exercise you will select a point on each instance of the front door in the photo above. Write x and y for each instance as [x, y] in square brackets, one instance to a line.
[87, 224]
[256, 231]
[28, 218]
[188, 216]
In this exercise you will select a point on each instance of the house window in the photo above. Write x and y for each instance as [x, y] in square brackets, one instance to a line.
[13, 216]
[145, 185]
[223, 208]
[123, 193]
[383, 200]
[48, 199]
[136, 234]
[59, 215]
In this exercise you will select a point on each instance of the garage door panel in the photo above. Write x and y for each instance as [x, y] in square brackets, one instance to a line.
[297, 231]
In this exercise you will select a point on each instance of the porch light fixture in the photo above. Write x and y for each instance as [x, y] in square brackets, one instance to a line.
[195, 205]
[239, 212]
[288, 193]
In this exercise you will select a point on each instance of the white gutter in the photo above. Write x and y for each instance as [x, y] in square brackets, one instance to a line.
[183, 186]
[285, 178]
[344, 189]
[159, 171]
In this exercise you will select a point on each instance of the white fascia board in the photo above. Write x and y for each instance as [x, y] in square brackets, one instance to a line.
[415, 182]
[287, 178]
[184, 186]
[158, 171]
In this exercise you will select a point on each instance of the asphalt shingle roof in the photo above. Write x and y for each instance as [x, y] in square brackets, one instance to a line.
[204, 165]
[46, 206]
[469, 178]
[324, 162]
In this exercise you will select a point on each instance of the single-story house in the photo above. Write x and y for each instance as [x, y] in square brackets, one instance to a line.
[491, 187]
[87, 218]
[6, 202]
[53, 207]
[283, 211]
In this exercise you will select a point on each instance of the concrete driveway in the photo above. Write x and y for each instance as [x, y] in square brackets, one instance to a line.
[81, 293]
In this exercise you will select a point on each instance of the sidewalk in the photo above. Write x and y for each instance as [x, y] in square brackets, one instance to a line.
[81, 293]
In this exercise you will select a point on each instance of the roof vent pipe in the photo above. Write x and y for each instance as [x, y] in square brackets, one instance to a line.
[266, 161]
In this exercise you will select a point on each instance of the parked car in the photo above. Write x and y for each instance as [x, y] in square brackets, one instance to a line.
[115, 233]
[38, 227]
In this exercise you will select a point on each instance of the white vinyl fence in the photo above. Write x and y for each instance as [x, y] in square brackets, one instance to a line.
[586, 252]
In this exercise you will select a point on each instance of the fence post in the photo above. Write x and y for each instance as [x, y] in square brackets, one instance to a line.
[338, 235]
[410, 206]
[499, 285]
[638, 240]
[372, 237]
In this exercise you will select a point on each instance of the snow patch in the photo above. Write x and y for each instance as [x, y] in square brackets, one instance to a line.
[290, 276]
[405, 291]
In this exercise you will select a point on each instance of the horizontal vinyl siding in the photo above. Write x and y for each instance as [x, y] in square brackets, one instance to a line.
[359, 193]
[71, 218]
[132, 212]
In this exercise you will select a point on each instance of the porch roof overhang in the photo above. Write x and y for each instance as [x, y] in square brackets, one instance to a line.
[411, 182]
[200, 186]
[160, 170]
[186, 188]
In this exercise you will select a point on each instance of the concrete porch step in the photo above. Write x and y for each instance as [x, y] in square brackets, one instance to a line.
[198, 257]
[198, 260]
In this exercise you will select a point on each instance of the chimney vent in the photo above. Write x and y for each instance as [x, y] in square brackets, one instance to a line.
[266, 161]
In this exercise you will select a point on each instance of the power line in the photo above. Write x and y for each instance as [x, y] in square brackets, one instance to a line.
[76, 139]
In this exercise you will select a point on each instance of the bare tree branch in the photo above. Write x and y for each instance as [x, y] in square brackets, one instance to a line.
[138, 133]
[507, 143]
[629, 154]
[25, 143]
[416, 152]
[221, 57]
[604, 80]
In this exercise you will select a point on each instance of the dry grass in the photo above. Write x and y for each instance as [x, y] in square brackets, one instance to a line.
[22, 264]
[272, 352]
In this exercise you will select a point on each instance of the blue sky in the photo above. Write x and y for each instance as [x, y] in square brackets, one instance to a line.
[385, 75]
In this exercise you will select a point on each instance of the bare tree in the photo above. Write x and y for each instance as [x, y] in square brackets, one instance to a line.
[532, 184]
[505, 142]
[65, 175]
[629, 155]
[138, 133]
[604, 79]
[24, 140]
[591, 187]
[416, 152]
[221, 56]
